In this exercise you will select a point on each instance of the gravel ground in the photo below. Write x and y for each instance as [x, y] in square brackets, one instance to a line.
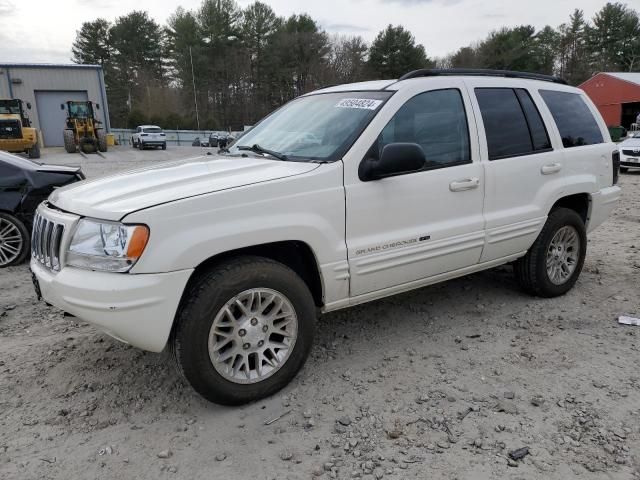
[443, 382]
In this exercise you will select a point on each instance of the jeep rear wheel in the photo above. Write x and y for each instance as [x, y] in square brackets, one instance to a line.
[553, 263]
[243, 331]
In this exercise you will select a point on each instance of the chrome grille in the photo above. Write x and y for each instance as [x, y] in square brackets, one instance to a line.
[45, 241]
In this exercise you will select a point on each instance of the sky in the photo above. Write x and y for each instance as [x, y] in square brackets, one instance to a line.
[42, 31]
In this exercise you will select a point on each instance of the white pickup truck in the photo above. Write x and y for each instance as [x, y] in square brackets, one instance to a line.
[344, 195]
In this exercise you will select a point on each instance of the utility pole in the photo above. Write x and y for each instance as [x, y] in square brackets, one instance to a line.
[195, 97]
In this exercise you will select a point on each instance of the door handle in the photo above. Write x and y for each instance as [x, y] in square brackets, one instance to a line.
[465, 184]
[551, 168]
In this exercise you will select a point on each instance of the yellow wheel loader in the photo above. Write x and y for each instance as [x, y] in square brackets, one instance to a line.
[82, 129]
[16, 133]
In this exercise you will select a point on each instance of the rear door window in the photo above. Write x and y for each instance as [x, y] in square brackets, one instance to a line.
[539, 136]
[510, 133]
[573, 117]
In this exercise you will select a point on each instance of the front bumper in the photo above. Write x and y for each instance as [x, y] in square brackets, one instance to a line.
[628, 162]
[135, 309]
[602, 204]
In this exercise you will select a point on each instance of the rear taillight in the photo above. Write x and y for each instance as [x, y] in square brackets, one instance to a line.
[615, 159]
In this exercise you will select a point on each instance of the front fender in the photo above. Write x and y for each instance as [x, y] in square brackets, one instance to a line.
[308, 208]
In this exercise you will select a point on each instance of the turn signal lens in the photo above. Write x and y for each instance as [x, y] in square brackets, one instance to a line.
[138, 241]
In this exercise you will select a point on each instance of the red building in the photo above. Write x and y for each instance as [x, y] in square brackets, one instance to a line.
[617, 96]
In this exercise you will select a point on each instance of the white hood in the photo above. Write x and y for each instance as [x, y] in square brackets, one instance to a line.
[630, 142]
[113, 197]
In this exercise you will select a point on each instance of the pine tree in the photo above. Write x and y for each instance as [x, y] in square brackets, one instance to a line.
[394, 52]
[92, 43]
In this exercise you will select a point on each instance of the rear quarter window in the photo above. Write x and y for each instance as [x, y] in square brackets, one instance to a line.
[574, 119]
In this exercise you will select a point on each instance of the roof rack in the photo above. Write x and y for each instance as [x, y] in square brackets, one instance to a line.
[482, 72]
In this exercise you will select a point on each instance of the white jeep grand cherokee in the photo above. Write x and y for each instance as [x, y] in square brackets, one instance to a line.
[345, 195]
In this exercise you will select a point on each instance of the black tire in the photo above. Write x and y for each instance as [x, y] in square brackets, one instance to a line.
[164, 146]
[140, 145]
[34, 152]
[531, 270]
[205, 298]
[624, 169]
[102, 140]
[69, 141]
[25, 247]
[132, 141]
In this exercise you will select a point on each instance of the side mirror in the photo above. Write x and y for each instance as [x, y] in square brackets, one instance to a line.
[396, 158]
[28, 105]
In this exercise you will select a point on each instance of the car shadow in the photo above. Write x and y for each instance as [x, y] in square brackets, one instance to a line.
[106, 380]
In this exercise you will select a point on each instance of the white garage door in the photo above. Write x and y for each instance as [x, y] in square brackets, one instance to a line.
[51, 117]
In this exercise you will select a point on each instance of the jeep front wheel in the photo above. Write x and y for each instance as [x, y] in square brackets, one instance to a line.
[553, 263]
[243, 331]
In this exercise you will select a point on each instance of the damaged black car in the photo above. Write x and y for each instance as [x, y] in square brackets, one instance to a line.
[23, 185]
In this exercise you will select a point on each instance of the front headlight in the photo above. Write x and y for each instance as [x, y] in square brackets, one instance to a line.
[108, 246]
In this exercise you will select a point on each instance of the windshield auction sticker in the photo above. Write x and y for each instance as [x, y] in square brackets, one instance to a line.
[364, 103]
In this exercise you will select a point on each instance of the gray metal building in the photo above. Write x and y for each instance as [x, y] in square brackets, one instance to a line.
[46, 86]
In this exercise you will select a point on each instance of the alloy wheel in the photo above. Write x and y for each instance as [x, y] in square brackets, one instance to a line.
[11, 242]
[253, 335]
[563, 255]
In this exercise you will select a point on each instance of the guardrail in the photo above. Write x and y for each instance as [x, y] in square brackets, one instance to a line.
[174, 137]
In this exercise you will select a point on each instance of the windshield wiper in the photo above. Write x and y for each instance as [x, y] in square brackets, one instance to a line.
[258, 149]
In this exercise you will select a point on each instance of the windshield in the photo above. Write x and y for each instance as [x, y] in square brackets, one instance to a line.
[316, 127]
[80, 110]
[152, 130]
[10, 107]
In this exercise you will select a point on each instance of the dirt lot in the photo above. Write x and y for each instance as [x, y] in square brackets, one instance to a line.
[442, 382]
